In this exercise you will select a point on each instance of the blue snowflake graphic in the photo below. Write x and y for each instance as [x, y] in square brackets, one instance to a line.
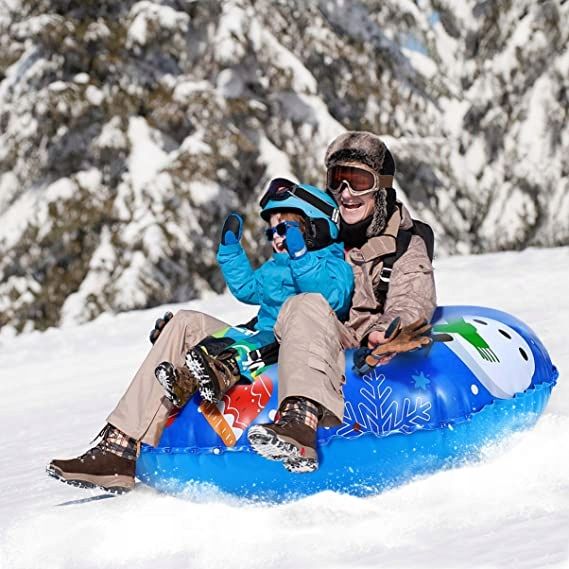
[421, 380]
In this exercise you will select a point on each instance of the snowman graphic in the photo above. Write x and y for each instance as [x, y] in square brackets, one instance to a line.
[496, 354]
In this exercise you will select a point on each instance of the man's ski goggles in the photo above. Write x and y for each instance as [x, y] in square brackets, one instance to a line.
[281, 189]
[280, 229]
[358, 180]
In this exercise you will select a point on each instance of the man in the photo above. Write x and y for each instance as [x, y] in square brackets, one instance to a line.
[360, 171]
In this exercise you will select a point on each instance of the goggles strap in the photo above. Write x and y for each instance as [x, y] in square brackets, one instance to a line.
[385, 181]
[332, 212]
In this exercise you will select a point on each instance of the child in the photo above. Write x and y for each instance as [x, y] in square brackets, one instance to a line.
[307, 257]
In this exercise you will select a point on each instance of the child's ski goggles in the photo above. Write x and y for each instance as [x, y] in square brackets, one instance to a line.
[280, 229]
[358, 180]
[281, 189]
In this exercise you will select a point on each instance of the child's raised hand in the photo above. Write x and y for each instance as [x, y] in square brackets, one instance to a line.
[232, 230]
[294, 241]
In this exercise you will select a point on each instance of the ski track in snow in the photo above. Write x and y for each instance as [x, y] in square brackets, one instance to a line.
[509, 510]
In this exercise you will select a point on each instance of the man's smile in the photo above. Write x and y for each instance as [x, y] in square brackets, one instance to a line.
[350, 204]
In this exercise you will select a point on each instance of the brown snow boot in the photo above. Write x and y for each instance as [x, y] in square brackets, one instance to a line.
[292, 438]
[178, 383]
[215, 375]
[110, 465]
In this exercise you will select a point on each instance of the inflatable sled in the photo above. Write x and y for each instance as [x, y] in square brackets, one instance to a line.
[424, 411]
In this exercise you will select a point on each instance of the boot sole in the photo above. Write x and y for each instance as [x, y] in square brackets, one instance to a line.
[280, 448]
[197, 367]
[164, 375]
[119, 484]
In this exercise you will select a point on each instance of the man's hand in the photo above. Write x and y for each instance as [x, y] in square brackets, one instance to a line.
[378, 337]
[159, 326]
[232, 230]
[398, 339]
[375, 339]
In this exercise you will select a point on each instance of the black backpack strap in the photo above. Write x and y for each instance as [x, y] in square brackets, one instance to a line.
[402, 244]
[419, 228]
[426, 233]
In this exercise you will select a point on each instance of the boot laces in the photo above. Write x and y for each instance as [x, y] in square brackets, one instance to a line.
[103, 433]
[91, 452]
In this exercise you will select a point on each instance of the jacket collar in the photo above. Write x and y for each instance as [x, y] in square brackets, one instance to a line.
[386, 243]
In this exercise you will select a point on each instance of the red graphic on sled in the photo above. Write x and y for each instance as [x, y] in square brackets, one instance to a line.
[239, 407]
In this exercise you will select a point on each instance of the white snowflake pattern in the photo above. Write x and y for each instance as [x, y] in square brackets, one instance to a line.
[380, 414]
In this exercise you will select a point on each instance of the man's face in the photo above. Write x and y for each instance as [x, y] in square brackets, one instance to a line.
[355, 208]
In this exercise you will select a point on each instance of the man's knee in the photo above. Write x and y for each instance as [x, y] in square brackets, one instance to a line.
[305, 311]
[305, 303]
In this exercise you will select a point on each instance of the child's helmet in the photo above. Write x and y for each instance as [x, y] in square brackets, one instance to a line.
[316, 206]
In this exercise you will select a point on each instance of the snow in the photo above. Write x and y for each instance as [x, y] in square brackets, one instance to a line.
[454, 114]
[94, 95]
[82, 78]
[203, 192]
[100, 266]
[230, 30]
[146, 157]
[230, 84]
[111, 135]
[510, 211]
[507, 61]
[89, 179]
[186, 88]
[511, 509]
[129, 293]
[302, 81]
[475, 157]
[8, 189]
[276, 161]
[328, 127]
[16, 218]
[423, 63]
[147, 16]
[532, 138]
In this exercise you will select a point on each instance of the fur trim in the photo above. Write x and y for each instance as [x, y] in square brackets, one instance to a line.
[356, 155]
[380, 215]
[363, 147]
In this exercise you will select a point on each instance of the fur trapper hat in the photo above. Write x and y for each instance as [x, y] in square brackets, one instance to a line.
[367, 148]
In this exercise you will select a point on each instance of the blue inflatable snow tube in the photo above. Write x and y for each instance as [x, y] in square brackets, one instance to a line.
[424, 411]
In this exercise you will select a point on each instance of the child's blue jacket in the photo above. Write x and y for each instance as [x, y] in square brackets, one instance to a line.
[281, 277]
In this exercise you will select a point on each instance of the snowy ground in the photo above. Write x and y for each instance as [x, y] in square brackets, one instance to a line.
[510, 510]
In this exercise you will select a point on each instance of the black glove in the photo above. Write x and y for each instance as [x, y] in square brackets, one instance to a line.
[159, 326]
[232, 229]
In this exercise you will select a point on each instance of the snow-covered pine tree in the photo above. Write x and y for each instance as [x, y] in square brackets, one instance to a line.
[508, 120]
[129, 130]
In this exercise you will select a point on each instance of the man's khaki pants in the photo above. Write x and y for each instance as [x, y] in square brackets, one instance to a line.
[311, 364]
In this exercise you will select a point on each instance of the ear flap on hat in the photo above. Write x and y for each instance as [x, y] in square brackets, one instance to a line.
[318, 234]
[385, 204]
[388, 166]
